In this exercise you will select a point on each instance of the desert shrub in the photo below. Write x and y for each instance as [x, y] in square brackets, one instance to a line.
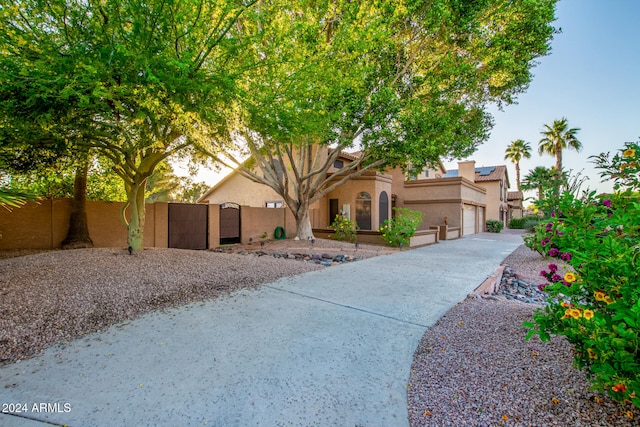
[345, 229]
[399, 230]
[595, 303]
[494, 226]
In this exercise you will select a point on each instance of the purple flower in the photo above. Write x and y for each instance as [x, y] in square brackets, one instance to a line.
[607, 203]
[543, 273]
[544, 242]
[553, 268]
[554, 252]
[560, 233]
[541, 287]
[556, 278]
[566, 256]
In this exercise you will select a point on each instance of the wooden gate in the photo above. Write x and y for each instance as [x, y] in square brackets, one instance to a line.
[188, 226]
[229, 223]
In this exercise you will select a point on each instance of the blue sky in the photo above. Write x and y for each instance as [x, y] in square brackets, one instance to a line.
[591, 77]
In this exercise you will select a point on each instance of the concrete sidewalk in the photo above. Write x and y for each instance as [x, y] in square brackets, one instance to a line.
[330, 347]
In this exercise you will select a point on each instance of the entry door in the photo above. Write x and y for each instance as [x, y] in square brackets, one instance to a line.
[363, 211]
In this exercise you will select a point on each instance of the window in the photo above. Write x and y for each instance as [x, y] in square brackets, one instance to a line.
[274, 204]
[426, 173]
[338, 164]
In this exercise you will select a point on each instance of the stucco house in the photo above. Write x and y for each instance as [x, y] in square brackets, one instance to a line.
[463, 198]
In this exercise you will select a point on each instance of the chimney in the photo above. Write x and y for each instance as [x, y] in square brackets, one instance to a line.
[467, 169]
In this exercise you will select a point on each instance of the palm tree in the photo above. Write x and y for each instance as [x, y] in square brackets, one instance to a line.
[558, 137]
[515, 152]
[539, 179]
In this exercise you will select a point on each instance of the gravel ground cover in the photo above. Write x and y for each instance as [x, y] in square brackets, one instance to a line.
[474, 367]
[60, 295]
[52, 296]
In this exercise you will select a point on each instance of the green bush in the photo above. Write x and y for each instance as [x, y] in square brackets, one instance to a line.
[531, 223]
[521, 223]
[494, 226]
[399, 230]
[345, 229]
[517, 223]
[595, 303]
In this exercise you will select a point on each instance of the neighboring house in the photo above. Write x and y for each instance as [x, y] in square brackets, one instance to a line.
[462, 198]
[456, 201]
[515, 200]
[495, 180]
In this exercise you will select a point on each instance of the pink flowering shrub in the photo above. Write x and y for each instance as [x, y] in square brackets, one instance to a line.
[596, 304]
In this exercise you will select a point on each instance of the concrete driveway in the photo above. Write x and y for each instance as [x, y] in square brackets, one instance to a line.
[330, 347]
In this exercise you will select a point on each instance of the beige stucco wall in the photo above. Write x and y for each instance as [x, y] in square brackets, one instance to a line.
[438, 199]
[44, 225]
[493, 199]
[373, 183]
[256, 221]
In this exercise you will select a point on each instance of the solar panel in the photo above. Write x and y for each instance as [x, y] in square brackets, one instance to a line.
[484, 171]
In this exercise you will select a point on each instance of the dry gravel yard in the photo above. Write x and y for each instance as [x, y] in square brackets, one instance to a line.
[472, 368]
[48, 296]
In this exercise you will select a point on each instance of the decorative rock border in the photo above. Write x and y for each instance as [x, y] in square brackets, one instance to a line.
[324, 259]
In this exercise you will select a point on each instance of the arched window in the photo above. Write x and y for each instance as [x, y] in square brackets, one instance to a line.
[363, 210]
[383, 208]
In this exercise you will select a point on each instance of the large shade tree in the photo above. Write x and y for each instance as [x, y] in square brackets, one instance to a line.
[137, 80]
[403, 82]
[558, 137]
[516, 151]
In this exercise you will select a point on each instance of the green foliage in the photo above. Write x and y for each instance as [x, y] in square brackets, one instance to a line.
[398, 230]
[524, 222]
[531, 223]
[494, 226]
[596, 303]
[57, 181]
[345, 229]
[13, 199]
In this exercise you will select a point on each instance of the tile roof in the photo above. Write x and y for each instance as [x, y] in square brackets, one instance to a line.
[493, 173]
[515, 195]
[485, 173]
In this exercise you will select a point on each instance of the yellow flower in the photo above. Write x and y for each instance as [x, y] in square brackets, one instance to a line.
[592, 354]
[599, 295]
[565, 304]
[608, 300]
[575, 313]
[629, 152]
[588, 314]
[570, 277]
[554, 400]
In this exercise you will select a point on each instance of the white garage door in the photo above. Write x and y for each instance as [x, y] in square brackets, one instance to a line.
[469, 219]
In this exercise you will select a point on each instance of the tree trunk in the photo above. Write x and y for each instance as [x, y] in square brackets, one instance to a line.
[303, 224]
[559, 163]
[78, 234]
[518, 175]
[135, 226]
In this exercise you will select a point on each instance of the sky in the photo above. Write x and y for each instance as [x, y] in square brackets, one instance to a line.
[591, 77]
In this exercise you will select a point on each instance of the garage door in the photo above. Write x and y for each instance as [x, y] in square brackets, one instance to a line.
[469, 220]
